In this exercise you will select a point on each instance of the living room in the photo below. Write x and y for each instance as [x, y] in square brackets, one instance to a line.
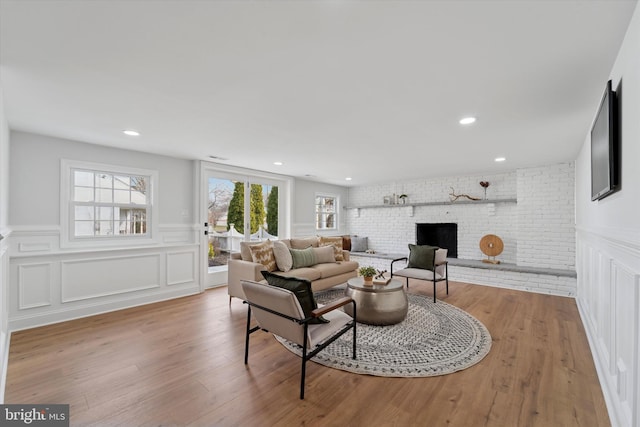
[550, 221]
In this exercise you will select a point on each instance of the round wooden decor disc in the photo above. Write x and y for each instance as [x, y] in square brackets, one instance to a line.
[491, 245]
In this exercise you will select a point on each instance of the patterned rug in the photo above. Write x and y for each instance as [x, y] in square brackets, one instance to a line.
[434, 339]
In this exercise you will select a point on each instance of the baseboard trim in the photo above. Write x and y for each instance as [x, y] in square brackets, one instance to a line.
[616, 415]
[86, 310]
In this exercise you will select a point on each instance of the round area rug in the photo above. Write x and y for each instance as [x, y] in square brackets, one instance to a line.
[434, 339]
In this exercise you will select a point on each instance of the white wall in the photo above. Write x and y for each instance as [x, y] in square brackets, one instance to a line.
[4, 257]
[608, 245]
[48, 283]
[304, 194]
[546, 217]
[35, 169]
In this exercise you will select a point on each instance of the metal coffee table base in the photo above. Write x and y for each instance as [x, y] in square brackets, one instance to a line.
[377, 304]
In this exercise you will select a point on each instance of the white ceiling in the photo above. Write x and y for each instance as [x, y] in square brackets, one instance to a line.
[368, 89]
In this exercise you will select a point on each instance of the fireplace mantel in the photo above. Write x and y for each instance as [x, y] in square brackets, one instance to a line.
[449, 203]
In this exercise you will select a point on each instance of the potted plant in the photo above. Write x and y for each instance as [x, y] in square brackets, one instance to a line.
[368, 273]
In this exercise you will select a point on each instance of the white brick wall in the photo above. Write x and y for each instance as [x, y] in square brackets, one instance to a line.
[546, 217]
[391, 229]
[538, 231]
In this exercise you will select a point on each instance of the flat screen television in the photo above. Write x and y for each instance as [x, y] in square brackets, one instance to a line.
[605, 162]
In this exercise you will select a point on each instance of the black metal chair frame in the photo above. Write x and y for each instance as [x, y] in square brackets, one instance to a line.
[305, 322]
[445, 278]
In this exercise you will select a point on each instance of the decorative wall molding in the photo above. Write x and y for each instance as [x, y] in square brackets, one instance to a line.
[34, 285]
[83, 283]
[180, 267]
[609, 304]
[34, 247]
[99, 277]
[29, 241]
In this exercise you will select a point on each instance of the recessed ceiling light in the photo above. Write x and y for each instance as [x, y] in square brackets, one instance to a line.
[348, 178]
[467, 120]
[131, 132]
[500, 159]
[278, 163]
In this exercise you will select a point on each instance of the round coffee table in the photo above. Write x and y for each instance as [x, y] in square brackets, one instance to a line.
[377, 304]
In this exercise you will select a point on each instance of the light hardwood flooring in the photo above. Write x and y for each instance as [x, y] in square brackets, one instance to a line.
[180, 362]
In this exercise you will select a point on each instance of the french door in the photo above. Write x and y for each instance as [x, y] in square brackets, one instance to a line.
[238, 207]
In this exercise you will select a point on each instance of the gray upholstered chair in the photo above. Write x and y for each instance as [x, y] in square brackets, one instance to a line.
[435, 271]
[279, 312]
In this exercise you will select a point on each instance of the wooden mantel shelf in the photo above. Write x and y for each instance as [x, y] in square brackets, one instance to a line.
[459, 202]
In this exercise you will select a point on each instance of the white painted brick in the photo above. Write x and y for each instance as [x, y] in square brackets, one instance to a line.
[538, 231]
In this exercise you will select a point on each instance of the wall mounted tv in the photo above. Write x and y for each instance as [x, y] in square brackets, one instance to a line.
[605, 151]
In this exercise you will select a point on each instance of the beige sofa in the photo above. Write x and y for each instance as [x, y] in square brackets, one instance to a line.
[322, 276]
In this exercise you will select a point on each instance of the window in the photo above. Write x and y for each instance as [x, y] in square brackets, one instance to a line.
[106, 203]
[326, 212]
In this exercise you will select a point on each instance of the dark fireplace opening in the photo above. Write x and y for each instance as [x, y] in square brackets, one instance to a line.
[444, 235]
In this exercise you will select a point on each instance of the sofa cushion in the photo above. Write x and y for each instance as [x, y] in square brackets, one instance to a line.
[336, 242]
[263, 254]
[303, 273]
[324, 254]
[303, 257]
[284, 261]
[334, 269]
[304, 243]
[301, 288]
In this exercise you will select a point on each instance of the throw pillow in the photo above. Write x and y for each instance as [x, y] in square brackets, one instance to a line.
[284, 261]
[421, 256]
[359, 244]
[303, 257]
[324, 254]
[301, 288]
[336, 242]
[263, 254]
[245, 250]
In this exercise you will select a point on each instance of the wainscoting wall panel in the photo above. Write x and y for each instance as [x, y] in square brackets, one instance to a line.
[99, 277]
[180, 267]
[609, 303]
[55, 285]
[34, 285]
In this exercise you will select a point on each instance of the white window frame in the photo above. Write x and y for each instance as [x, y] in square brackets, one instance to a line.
[335, 217]
[67, 233]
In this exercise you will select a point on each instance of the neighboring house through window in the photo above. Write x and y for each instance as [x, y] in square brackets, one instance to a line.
[104, 203]
[326, 212]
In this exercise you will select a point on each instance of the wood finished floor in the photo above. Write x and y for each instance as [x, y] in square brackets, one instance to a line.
[180, 362]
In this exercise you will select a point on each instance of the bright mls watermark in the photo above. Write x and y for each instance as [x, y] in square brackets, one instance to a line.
[34, 415]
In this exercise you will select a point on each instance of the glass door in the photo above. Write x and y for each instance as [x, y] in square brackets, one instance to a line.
[222, 235]
[238, 208]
